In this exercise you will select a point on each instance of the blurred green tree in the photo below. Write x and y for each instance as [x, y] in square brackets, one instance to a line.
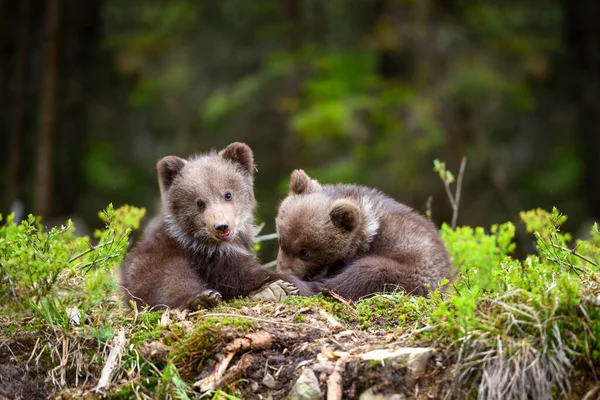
[353, 91]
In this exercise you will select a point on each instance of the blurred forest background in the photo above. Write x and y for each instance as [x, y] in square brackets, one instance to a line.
[93, 93]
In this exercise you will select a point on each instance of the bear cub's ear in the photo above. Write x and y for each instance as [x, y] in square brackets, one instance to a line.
[239, 153]
[300, 183]
[344, 214]
[168, 168]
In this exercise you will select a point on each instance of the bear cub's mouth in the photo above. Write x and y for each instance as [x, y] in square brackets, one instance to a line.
[225, 235]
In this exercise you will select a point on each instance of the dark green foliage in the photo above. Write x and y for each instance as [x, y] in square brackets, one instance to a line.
[365, 92]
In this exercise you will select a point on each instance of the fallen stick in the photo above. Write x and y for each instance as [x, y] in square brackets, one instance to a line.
[252, 341]
[210, 382]
[334, 383]
[233, 374]
[331, 321]
[112, 361]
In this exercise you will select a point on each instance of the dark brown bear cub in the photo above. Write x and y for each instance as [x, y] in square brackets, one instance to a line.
[198, 251]
[357, 241]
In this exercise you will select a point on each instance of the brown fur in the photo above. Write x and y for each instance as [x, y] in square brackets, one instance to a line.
[182, 262]
[359, 241]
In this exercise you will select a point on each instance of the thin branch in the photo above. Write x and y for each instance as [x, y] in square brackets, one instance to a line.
[91, 263]
[259, 229]
[92, 248]
[576, 254]
[576, 269]
[428, 212]
[449, 193]
[263, 238]
[269, 265]
[10, 282]
[461, 173]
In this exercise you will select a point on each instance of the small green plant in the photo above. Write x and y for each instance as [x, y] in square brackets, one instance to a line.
[448, 178]
[172, 382]
[54, 313]
[32, 260]
[35, 261]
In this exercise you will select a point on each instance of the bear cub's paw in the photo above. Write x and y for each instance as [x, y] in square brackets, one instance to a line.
[275, 291]
[206, 299]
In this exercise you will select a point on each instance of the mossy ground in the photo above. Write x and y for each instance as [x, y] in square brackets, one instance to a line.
[193, 343]
[536, 320]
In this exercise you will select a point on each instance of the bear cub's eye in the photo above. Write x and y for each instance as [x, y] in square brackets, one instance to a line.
[200, 204]
[228, 196]
[303, 254]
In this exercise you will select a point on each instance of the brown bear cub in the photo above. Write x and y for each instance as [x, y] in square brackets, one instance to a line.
[357, 241]
[199, 250]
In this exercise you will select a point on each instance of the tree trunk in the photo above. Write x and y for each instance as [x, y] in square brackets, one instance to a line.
[48, 110]
[582, 37]
[18, 113]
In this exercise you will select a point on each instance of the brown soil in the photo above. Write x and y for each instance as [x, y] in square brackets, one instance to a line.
[20, 379]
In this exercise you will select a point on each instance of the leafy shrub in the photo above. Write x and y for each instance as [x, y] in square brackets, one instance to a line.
[520, 326]
[35, 261]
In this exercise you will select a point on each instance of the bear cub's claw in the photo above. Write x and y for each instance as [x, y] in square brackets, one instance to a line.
[275, 291]
[207, 299]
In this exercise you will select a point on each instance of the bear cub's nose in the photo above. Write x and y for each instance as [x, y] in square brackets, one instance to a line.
[222, 226]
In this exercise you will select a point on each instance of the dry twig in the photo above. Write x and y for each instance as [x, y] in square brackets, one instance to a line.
[252, 341]
[456, 202]
[334, 383]
[263, 238]
[331, 321]
[112, 362]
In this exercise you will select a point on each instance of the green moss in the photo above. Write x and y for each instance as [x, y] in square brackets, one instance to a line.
[393, 310]
[188, 354]
[339, 310]
[240, 322]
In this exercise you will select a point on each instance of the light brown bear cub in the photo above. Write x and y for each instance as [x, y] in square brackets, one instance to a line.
[199, 250]
[357, 241]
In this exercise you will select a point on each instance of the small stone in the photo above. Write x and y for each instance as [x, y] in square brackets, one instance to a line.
[269, 381]
[346, 334]
[254, 386]
[326, 367]
[369, 395]
[306, 387]
[416, 358]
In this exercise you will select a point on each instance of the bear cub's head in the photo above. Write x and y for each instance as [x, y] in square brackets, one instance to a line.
[316, 230]
[209, 199]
